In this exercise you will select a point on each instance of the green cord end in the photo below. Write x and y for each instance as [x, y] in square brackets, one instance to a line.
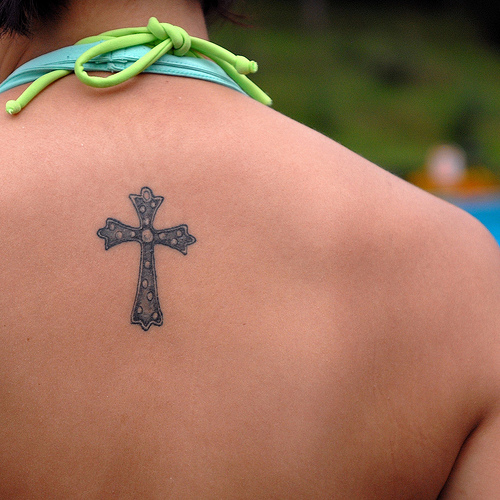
[13, 107]
[244, 67]
[268, 101]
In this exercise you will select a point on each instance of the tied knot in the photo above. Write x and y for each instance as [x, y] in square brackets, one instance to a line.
[181, 41]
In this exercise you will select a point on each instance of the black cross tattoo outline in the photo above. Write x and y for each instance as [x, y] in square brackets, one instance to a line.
[146, 310]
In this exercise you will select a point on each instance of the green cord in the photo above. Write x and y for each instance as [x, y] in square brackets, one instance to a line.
[14, 107]
[162, 38]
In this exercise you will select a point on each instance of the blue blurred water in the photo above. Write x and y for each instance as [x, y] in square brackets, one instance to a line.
[485, 209]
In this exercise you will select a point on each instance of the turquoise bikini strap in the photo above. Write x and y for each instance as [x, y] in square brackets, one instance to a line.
[162, 38]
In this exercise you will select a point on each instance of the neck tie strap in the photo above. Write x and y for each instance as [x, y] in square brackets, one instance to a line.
[161, 38]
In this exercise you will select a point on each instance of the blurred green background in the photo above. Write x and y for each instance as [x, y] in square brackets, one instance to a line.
[388, 80]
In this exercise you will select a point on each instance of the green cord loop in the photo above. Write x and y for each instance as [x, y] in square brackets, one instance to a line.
[162, 38]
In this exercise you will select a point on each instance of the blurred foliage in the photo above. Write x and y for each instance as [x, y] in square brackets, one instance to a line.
[388, 83]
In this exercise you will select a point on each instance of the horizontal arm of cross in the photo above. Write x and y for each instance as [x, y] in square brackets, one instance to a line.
[115, 232]
[177, 237]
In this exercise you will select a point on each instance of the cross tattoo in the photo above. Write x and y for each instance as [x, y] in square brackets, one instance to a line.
[146, 310]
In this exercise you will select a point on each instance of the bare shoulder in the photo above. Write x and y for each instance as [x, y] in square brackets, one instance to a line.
[386, 240]
[475, 300]
[400, 239]
[415, 274]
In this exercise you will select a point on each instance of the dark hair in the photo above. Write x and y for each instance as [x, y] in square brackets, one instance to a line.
[218, 8]
[18, 16]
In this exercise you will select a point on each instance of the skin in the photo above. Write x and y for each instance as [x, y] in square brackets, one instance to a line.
[333, 333]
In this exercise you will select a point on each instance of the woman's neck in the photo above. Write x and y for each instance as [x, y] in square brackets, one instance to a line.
[84, 18]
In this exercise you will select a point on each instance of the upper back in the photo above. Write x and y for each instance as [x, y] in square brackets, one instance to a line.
[315, 337]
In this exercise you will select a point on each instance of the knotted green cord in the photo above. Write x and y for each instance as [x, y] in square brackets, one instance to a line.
[162, 38]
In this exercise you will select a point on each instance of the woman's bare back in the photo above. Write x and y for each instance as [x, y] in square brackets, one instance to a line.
[330, 333]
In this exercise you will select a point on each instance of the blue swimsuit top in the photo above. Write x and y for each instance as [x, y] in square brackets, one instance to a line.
[112, 62]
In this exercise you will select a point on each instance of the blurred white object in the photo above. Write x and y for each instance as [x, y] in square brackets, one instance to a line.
[446, 165]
